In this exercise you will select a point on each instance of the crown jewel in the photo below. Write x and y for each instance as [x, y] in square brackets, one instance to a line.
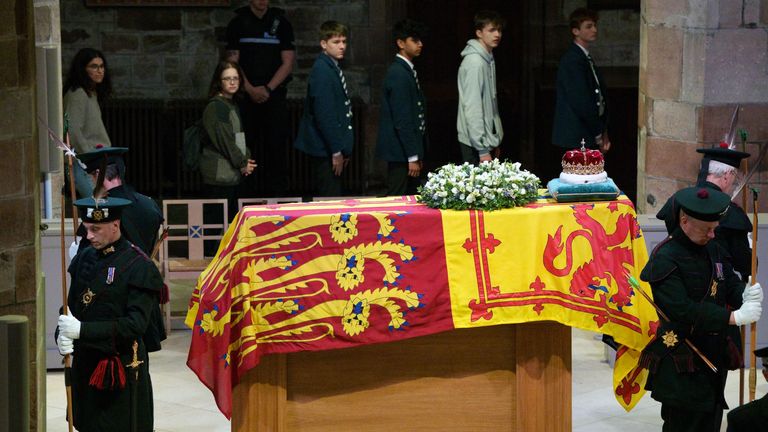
[583, 161]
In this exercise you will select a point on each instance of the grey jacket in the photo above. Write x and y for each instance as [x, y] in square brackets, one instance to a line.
[478, 122]
[86, 129]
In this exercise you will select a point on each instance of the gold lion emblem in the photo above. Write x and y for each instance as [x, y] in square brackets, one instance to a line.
[670, 339]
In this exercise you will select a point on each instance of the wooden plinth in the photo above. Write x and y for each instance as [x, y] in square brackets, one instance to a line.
[500, 378]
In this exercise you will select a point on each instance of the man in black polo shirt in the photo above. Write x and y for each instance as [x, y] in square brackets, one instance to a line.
[260, 39]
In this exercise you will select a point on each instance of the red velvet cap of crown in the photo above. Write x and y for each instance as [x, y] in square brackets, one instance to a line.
[583, 161]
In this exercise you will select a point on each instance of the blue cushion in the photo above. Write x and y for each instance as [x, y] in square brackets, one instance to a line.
[564, 192]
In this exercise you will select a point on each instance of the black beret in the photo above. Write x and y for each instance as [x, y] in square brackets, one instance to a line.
[703, 203]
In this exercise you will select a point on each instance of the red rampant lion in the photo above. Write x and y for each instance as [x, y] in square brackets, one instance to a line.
[607, 260]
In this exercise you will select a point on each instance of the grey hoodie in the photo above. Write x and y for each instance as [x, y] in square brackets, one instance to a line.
[478, 122]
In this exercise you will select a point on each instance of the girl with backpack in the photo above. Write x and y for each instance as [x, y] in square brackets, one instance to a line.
[225, 158]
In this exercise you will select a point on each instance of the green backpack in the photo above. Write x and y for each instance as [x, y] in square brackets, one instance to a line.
[192, 146]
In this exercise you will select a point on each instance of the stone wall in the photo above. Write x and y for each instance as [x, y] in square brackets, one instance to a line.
[699, 59]
[170, 52]
[19, 208]
[162, 52]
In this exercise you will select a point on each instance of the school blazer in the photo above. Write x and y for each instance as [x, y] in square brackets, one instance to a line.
[326, 124]
[403, 108]
[576, 110]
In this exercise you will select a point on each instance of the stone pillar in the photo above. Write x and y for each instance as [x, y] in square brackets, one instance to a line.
[20, 287]
[699, 59]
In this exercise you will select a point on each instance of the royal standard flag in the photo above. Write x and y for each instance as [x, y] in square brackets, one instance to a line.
[328, 275]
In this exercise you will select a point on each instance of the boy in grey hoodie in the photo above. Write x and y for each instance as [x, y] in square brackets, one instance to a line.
[478, 123]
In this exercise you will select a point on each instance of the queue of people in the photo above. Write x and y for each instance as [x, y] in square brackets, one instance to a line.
[693, 278]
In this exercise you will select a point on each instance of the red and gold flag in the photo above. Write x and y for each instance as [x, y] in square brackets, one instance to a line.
[326, 275]
[315, 277]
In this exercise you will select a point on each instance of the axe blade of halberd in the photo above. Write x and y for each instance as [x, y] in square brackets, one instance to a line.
[730, 137]
[739, 186]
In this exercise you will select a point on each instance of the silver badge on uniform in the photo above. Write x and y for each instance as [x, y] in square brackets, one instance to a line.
[719, 270]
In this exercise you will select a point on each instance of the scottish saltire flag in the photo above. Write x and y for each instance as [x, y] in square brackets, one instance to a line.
[326, 275]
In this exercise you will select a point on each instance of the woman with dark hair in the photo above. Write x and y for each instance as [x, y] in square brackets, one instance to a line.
[225, 159]
[88, 85]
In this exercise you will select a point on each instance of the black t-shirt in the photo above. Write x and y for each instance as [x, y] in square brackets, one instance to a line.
[260, 42]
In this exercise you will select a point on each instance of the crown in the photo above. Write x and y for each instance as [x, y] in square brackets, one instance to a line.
[583, 161]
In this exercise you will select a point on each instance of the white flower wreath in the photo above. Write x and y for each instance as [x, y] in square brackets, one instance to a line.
[490, 186]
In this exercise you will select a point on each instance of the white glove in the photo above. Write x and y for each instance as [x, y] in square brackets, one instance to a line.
[749, 239]
[752, 292]
[749, 313]
[69, 326]
[66, 345]
[73, 247]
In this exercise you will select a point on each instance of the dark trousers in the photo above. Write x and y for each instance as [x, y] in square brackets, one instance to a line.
[326, 183]
[469, 154]
[266, 134]
[680, 419]
[398, 180]
[212, 213]
[219, 192]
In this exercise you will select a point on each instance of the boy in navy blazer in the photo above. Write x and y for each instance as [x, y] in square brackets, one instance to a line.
[580, 111]
[402, 122]
[325, 132]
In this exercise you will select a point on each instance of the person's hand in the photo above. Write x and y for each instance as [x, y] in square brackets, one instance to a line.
[414, 168]
[260, 94]
[496, 152]
[69, 326]
[338, 163]
[747, 314]
[486, 158]
[247, 170]
[752, 292]
[65, 344]
[257, 94]
[605, 144]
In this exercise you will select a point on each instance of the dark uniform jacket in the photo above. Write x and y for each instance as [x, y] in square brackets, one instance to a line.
[260, 42]
[402, 120]
[751, 417]
[731, 233]
[113, 293]
[577, 114]
[697, 289]
[139, 224]
[326, 124]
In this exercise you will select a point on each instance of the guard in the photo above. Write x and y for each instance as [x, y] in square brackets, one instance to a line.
[139, 224]
[114, 288]
[694, 284]
[719, 171]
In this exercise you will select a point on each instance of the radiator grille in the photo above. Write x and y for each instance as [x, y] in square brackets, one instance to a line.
[138, 125]
[153, 131]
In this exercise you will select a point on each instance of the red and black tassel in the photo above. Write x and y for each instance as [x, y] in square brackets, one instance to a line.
[108, 375]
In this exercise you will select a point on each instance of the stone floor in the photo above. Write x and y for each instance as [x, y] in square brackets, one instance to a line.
[182, 403]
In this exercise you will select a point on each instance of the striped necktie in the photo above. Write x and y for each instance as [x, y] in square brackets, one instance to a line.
[422, 120]
[601, 103]
[343, 82]
[347, 102]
